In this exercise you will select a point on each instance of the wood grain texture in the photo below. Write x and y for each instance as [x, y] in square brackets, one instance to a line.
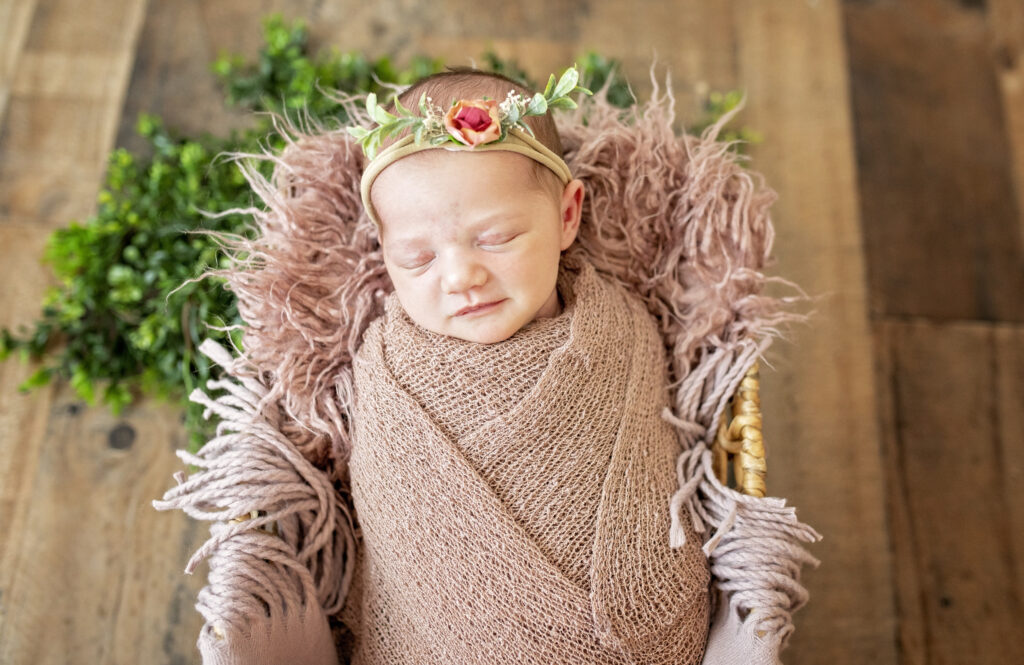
[953, 394]
[15, 17]
[23, 419]
[92, 557]
[1006, 47]
[89, 572]
[820, 431]
[171, 74]
[64, 107]
[934, 163]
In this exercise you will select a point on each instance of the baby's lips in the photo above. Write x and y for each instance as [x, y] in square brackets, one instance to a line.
[465, 310]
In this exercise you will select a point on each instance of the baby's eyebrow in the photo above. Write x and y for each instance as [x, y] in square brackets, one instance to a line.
[485, 224]
[407, 243]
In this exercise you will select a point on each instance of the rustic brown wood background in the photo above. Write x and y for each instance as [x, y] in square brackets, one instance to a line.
[894, 134]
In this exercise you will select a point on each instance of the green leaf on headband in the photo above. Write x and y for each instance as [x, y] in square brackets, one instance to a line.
[567, 83]
[562, 103]
[377, 112]
[382, 116]
[550, 86]
[401, 124]
[513, 115]
[402, 111]
[526, 128]
[538, 105]
[372, 144]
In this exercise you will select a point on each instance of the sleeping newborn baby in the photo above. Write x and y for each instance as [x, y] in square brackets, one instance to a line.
[510, 471]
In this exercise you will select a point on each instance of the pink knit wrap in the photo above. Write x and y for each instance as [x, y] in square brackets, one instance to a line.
[674, 220]
[514, 497]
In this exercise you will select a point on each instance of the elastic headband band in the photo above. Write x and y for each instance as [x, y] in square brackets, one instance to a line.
[515, 141]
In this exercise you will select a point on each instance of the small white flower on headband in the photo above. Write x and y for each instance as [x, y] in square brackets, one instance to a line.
[469, 122]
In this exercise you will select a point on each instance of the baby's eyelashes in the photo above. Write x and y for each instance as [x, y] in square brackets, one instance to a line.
[418, 262]
[422, 260]
[495, 241]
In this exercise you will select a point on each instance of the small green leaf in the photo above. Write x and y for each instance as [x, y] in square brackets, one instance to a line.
[381, 116]
[538, 105]
[82, 384]
[402, 111]
[513, 115]
[566, 84]
[562, 103]
[38, 378]
[117, 396]
[550, 86]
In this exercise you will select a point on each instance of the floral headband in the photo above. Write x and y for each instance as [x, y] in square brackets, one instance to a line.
[470, 124]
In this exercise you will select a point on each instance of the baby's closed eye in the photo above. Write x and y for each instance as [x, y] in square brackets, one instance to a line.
[490, 241]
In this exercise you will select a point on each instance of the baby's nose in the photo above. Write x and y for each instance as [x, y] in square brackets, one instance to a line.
[461, 273]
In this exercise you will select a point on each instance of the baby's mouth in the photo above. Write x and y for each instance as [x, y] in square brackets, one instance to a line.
[479, 309]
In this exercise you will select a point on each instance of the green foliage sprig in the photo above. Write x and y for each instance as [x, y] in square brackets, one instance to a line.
[112, 327]
[286, 76]
[123, 323]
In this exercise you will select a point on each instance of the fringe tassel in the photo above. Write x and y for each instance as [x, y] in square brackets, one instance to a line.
[754, 547]
[253, 480]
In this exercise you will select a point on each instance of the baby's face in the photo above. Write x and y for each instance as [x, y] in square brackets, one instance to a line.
[464, 230]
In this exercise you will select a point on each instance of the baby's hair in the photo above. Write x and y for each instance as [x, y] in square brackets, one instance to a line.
[457, 83]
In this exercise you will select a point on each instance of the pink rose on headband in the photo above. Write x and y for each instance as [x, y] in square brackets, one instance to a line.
[474, 122]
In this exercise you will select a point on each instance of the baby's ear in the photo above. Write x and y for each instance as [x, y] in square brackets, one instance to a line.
[571, 211]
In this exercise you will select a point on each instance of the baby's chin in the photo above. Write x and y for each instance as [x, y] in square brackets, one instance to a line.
[480, 331]
[508, 318]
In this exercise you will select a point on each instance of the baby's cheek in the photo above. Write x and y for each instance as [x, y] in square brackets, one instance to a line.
[409, 293]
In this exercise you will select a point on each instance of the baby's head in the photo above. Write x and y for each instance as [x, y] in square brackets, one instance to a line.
[470, 227]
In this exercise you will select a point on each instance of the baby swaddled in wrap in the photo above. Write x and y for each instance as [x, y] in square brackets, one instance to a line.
[477, 431]
[510, 469]
[514, 497]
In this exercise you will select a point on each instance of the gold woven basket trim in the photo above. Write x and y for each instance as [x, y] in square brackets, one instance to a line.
[739, 438]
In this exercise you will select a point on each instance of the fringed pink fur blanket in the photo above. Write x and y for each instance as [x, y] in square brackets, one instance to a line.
[676, 220]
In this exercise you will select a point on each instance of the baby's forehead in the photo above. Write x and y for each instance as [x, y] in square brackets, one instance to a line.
[516, 170]
[441, 157]
[427, 188]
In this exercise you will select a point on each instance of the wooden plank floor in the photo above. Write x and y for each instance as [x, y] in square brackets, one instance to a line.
[86, 572]
[894, 134]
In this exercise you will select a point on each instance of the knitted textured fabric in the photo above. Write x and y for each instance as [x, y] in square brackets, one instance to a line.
[514, 498]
